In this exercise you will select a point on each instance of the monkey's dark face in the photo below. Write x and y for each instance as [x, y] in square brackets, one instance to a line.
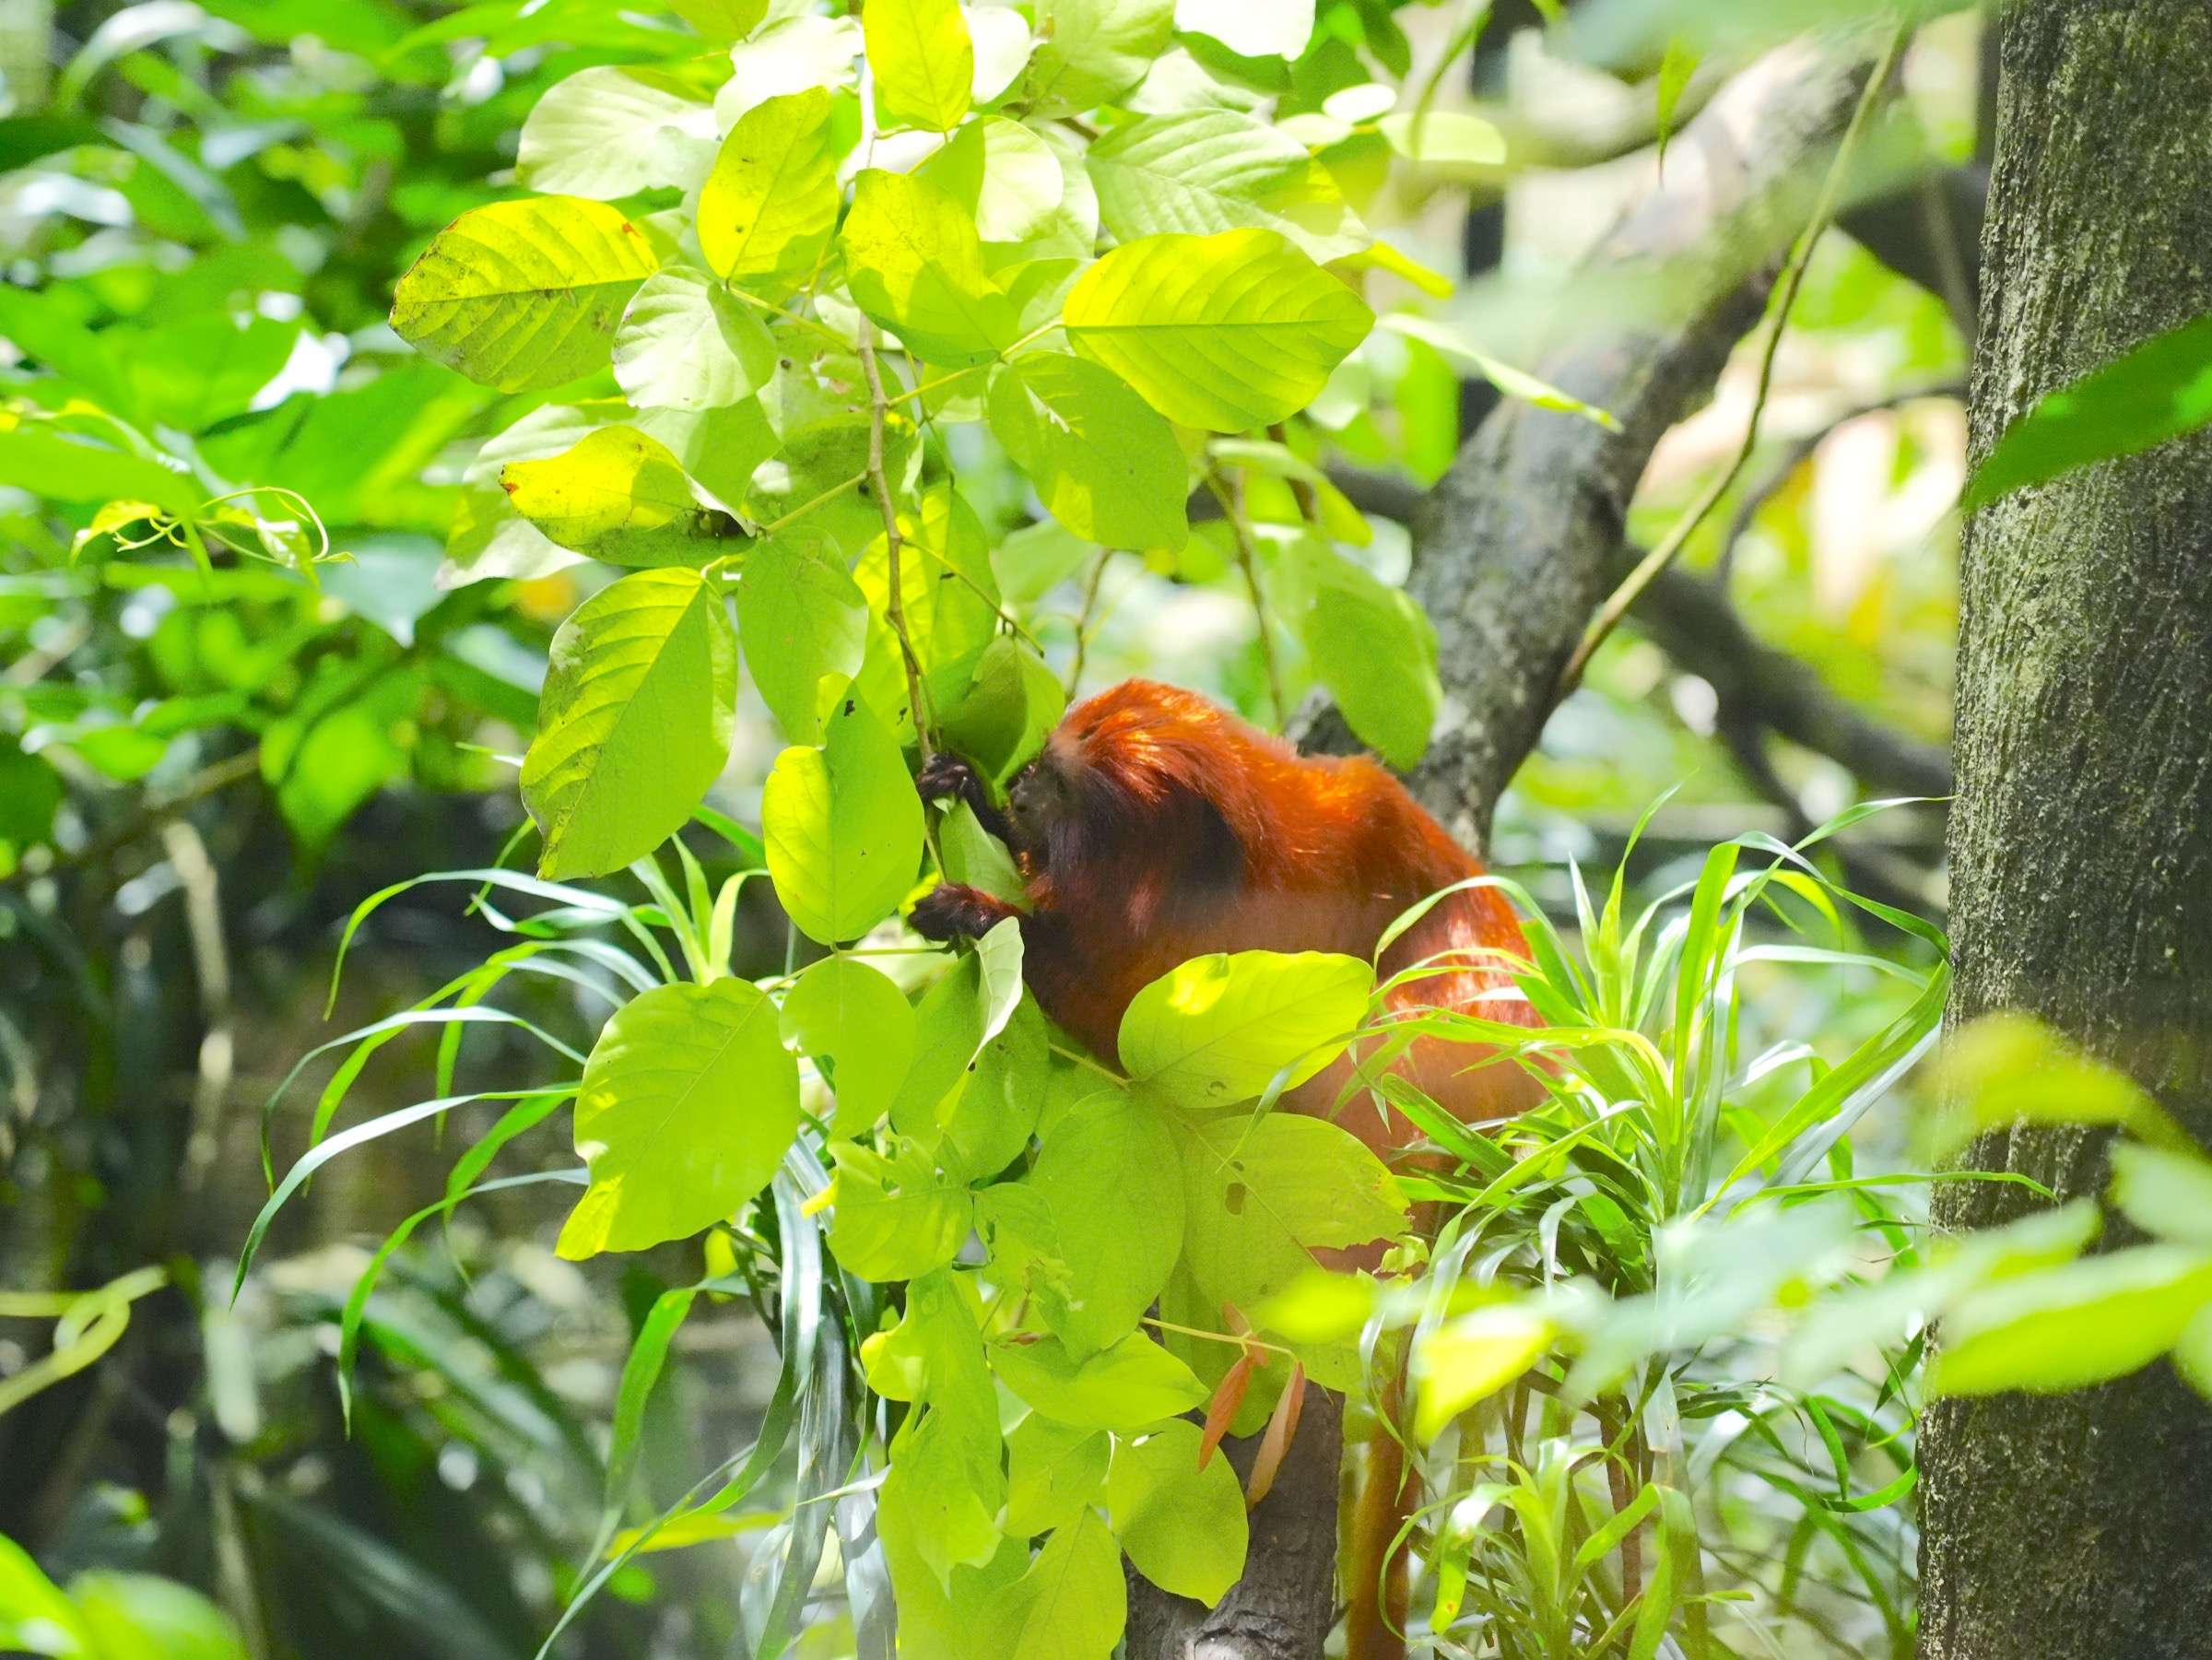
[1040, 797]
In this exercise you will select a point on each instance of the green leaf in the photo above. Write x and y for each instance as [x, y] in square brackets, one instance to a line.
[523, 295]
[1109, 1181]
[1104, 465]
[1091, 52]
[1514, 382]
[1071, 1604]
[690, 1102]
[599, 134]
[2161, 390]
[1010, 707]
[1261, 1198]
[1002, 173]
[195, 373]
[1444, 139]
[898, 1217]
[971, 855]
[1053, 1472]
[1033, 560]
[2068, 1328]
[144, 1617]
[1219, 170]
[987, 1124]
[924, 60]
[1376, 650]
[634, 722]
[857, 1019]
[618, 496]
[2168, 1194]
[767, 210]
[844, 828]
[1251, 29]
[1129, 1387]
[1225, 332]
[915, 264]
[948, 1454]
[1182, 1526]
[1216, 1029]
[60, 469]
[721, 22]
[685, 343]
[804, 622]
[1472, 1356]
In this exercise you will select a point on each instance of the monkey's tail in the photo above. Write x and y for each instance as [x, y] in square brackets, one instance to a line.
[1378, 1551]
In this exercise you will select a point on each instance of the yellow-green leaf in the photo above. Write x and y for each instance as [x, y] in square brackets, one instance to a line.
[924, 60]
[1217, 1029]
[618, 496]
[1182, 1526]
[843, 827]
[690, 1102]
[766, 211]
[915, 264]
[634, 722]
[1225, 332]
[522, 295]
[1104, 464]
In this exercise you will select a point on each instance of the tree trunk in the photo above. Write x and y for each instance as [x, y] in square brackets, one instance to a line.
[2081, 841]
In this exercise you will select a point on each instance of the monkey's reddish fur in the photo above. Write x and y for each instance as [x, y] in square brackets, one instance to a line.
[1156, 826]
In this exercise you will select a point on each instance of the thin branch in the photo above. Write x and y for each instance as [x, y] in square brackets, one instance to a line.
[1616, 605]
[1241, 529]
[879, 480]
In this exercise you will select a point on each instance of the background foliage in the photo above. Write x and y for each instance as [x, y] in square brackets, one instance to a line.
[277, 603]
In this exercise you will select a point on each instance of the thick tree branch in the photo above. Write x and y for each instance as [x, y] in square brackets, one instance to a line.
[1513, 551]
[1517, 545]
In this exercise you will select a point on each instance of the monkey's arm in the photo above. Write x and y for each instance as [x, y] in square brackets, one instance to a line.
[955, 911]
[947, 774]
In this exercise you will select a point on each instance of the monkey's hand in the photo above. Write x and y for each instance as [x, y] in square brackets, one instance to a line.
[947, 774]
[955, 911]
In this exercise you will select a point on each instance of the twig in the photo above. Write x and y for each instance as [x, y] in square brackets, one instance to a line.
[1617, 605]
[1233, 511]
[1083, 620]
[1749, 505]
[895, 607]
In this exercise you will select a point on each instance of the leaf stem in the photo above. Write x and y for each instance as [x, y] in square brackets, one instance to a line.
[1232, 510]
[895, 604]
[1083, 620]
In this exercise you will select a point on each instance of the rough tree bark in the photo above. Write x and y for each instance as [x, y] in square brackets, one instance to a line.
[1513, 551]
[2081, 841]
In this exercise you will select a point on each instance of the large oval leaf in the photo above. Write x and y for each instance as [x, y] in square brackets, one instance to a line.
[1218, 1029]
[620, 496]
[520, 295]
[1219, 170]
[924, 60]
[1091, 52]
[844, 828]
[1261, 1198]
[686, 343]
[1104, 464]
[1226, 332]
[804, 622]
[634, 722]
[690, 1102]
[602, 133]
[1181, 1524]
[766, 211]
[856, 1017]
[916, 264]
